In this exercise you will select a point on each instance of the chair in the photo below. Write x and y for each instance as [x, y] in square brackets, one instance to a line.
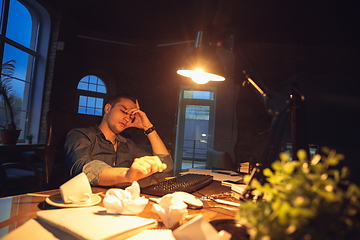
[218, 160]
[59, 123]
[16, 177]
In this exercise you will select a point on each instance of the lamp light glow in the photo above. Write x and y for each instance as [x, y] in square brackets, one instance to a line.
[199, 76]
[202, 64]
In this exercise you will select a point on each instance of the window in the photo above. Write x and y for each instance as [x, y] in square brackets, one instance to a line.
[24, 38]
[92, 92]
[195, 129]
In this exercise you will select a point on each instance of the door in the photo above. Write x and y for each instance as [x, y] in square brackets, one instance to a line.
[195, 128]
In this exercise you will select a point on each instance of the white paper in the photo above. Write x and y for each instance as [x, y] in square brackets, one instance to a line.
[171, 210]
[126, 201]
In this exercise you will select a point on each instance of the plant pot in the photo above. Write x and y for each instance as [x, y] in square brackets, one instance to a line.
[9, 136]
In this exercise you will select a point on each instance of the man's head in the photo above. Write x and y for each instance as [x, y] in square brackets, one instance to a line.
[117, 98]
[116, 117]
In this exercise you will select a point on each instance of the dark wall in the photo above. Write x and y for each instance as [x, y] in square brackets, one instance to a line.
[326, 76]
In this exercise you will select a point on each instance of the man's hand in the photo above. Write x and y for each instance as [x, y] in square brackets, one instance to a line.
[140, 119]
[143, 167]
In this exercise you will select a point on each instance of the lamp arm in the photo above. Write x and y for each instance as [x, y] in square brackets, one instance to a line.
[250, 72]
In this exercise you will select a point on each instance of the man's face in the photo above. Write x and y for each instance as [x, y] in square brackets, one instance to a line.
[117, 116]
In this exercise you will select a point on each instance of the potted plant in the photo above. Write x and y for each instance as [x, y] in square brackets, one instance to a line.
[9, 133]
[29, 138]
[303, 200]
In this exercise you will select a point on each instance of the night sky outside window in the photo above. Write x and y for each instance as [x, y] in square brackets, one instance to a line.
[91, 98]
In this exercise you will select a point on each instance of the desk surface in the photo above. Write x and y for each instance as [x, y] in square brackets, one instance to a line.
[16, 210]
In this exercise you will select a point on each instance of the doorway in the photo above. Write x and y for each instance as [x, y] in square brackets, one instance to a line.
[195, 128]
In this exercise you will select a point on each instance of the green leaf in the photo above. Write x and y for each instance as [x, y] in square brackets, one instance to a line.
[267, 172]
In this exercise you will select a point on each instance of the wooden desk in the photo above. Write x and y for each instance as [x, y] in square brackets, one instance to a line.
[16, 210]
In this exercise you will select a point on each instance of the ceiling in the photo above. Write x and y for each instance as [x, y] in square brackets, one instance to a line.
[316, 22]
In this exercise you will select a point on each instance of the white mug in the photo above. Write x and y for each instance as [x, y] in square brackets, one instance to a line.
[77, 190]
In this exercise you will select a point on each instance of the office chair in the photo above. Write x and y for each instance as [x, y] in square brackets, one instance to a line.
[59, 123]
[218, 160]
[16, 177]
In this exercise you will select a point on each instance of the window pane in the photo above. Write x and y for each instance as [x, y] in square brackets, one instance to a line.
[82, 110]
[20, 82]
[17, 94]
[92, 87]
[91, 102]
[90, 111]
[19, 115]
[197, 112]
[101, 89]
[98, 112]
[196, 132]
[21, 58]
[87, 104]
[83, 86]
[85, 79]
[93, 79]
[206, 95]
[1, 4]
[90, 105]
[92, 83]
[99, 103]
[19, 18]
[82, 101]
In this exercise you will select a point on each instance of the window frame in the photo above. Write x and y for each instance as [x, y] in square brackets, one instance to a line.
[88, 93]
[41, 26]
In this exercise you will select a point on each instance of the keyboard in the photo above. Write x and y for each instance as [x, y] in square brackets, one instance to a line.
[185, 183]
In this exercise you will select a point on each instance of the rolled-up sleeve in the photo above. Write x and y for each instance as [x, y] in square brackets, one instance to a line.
[93, 170]
[77, 149]
[167, 160]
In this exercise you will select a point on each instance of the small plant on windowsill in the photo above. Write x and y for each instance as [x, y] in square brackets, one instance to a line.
[9, 133]
[29, 137]
[303, 200]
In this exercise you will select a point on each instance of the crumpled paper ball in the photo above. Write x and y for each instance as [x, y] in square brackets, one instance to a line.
[171, 210]
[126, 201]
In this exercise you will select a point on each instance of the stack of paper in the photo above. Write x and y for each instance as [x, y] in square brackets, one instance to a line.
[81, 223]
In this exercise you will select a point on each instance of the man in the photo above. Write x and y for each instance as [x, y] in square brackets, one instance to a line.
[106, 157]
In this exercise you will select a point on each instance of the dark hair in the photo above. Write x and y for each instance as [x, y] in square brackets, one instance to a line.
[117, 98]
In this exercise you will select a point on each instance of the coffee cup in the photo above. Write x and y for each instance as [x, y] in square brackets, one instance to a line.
[77, 190]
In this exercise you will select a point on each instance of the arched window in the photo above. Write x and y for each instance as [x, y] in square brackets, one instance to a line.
[24, 38]
[92, 92]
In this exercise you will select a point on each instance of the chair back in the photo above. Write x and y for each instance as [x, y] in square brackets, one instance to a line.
[218, 160]
[59, 123]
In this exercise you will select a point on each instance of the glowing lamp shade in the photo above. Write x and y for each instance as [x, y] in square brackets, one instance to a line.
[199, 76]
[202, 65]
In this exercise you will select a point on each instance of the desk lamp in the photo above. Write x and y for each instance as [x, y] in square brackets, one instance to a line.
[202, 64]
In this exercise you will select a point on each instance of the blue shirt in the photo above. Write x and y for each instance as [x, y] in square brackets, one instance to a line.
[87, 150]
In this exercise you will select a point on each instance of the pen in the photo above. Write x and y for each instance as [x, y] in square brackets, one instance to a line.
[38, 195]
[226, 173]
[167, 178]
[227, 202]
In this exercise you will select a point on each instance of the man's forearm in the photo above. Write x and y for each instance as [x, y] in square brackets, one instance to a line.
[157, 144]
[112, 176]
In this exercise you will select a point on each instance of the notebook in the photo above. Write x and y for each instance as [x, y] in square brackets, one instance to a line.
[149, 234]
[94, 223]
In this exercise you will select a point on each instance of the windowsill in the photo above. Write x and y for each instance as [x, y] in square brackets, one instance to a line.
[22, 147]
